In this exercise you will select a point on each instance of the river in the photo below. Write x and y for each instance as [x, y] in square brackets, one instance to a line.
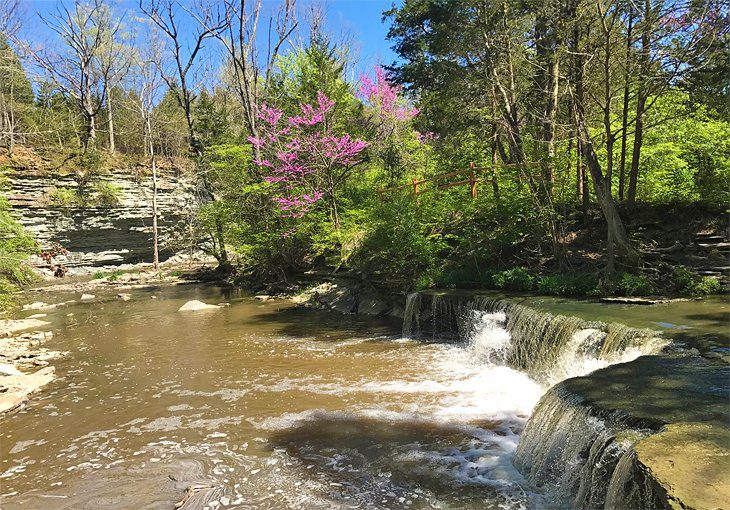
[278, 407]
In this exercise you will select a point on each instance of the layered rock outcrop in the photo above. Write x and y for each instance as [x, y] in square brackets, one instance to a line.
[119, 232]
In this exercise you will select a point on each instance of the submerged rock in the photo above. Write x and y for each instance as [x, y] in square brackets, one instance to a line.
[124, 297]
[372, 304]
[195, 305]
[87, 297]
[37, 305]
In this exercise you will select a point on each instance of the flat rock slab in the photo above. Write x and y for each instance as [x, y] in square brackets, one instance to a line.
[195, 306]
[18, 387]
[9, 327]
[199, 497]
[691, 461]
[639, 300]
[685, 400]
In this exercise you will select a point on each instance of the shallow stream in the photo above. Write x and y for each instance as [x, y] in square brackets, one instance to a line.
[277, 406]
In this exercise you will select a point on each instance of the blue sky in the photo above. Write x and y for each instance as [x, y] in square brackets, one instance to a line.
[358, 20]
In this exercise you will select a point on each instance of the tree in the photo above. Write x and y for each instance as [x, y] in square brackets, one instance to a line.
[307, 161]
[75, 68]
[16, 97]
[147, 80]
[184, 81]
[238, 32]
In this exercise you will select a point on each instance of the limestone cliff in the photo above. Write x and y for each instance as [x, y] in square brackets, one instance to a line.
[117, 232]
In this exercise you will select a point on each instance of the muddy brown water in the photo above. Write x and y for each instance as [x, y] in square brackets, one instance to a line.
[277, 407]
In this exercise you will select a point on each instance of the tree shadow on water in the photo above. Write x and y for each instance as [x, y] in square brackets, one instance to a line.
[326, 325]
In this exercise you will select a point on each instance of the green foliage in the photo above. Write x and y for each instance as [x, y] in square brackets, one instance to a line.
[517, 278]
[633, 285]
[114, 275]
[689, 283]
[98, 275]
[107, 194]
[64, 197]
[687, 159]
[15, 247]
[211, 120]
[568, 285]
[402, 244]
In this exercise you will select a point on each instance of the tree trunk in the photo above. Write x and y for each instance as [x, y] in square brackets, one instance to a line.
[112, 144]
[495, 141]
[625, 110]
[618, 244]
[640, 102]
[153, 163]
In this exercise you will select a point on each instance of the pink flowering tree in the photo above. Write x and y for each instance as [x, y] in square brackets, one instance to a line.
[303, 158]
[389, 119]
[385, 98]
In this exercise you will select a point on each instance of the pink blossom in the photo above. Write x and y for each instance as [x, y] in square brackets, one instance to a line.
[296, 153]
[385, 97]
[426, 137]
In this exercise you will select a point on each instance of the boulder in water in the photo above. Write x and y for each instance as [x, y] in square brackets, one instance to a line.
[87, 297]
[123, 296]
[195, 305]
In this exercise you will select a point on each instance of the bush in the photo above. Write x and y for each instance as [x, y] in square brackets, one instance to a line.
[15, 246]
[687, 282]
[464, 277]
[114, 275]
[107, 194]
[64, 197]
[567, 285]
[634, 285]
[517, 278]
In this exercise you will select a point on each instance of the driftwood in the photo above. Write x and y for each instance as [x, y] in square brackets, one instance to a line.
[198, 496]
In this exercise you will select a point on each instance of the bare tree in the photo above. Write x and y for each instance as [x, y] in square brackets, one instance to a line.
[9, 17]
[183, 79]
[147, 83]
[251, 71]
[114, 62]
[75, 70]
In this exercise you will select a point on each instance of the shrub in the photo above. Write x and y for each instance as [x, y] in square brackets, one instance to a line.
[634, 285]
[98, 275]
[687, 282]
[107, 194]
[114, 275]
[567, 285]
[15, 246]
[706, 285]
[64, 197]
[517, 278]
[464, 277]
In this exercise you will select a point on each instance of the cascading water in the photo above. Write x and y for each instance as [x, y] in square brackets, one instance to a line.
[565, 449]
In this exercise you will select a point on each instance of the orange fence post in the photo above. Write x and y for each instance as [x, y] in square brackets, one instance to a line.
[472, 182]
[415, 186]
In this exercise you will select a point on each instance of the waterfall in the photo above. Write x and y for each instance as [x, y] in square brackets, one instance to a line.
[411, 315]
[580, 456]
[550, 348]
